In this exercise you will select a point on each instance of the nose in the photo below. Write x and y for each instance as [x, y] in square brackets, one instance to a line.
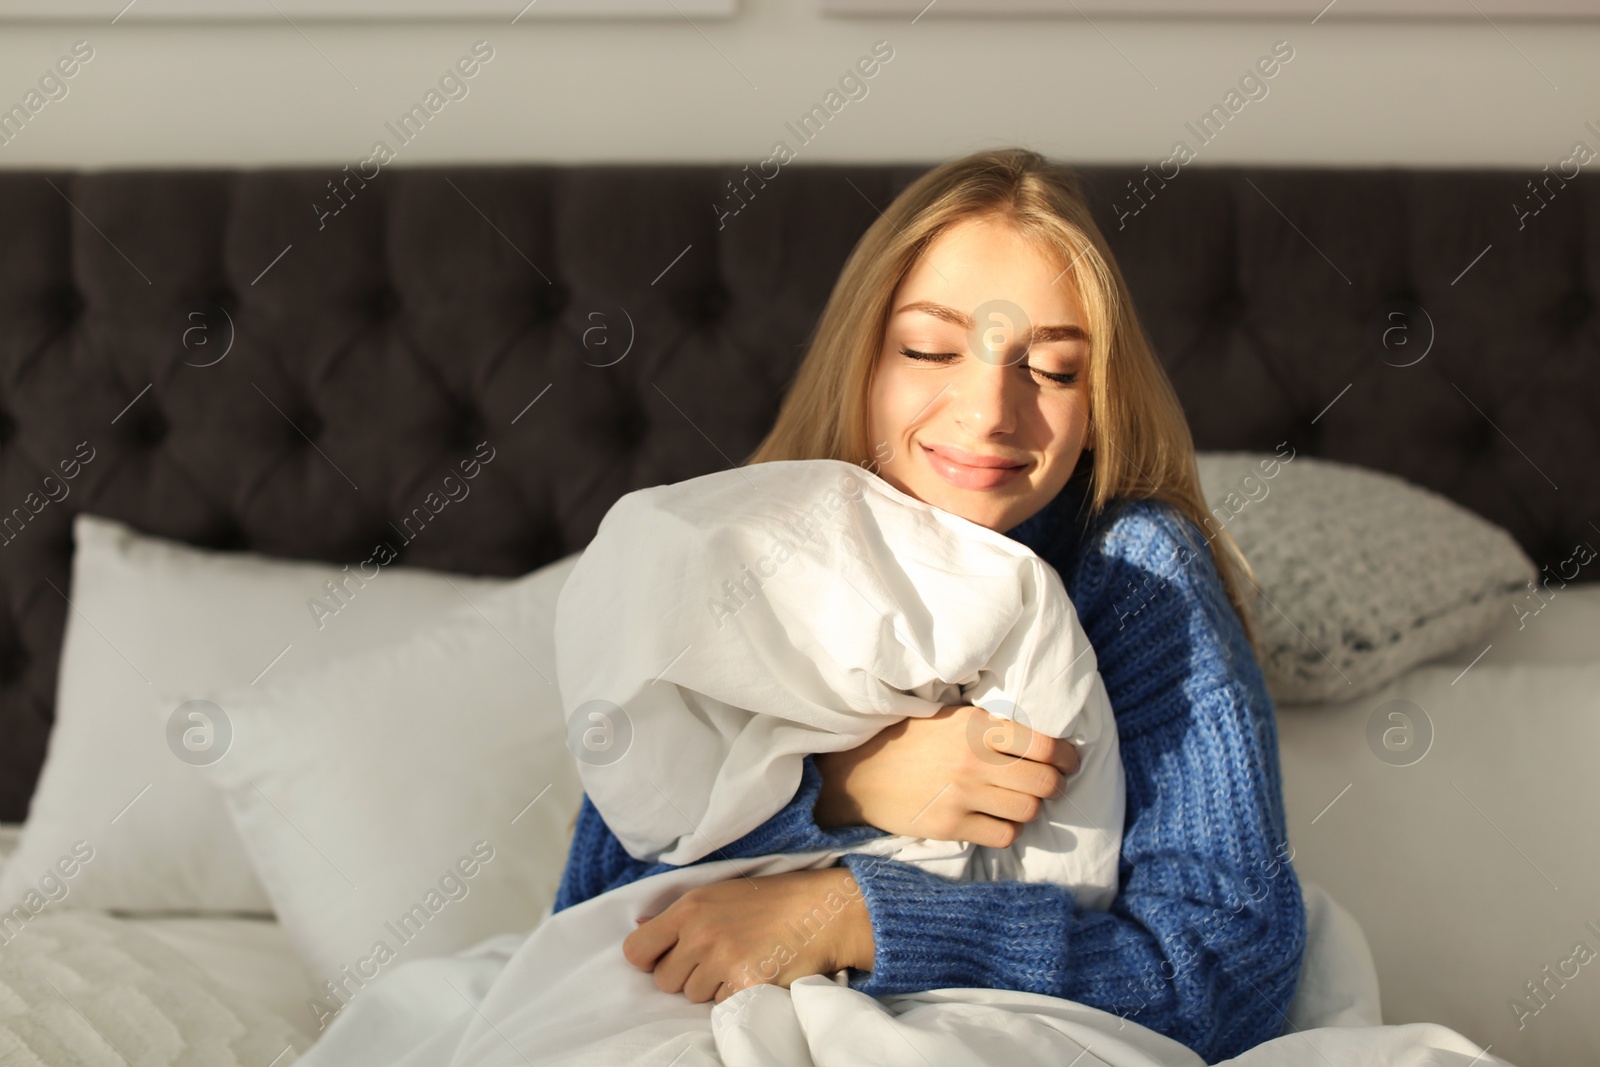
[984, 397]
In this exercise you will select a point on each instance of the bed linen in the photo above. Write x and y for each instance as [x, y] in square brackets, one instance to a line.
[78, 987]
[1565, 634]
[565, 994]
[405, 799]
[1452, 812]
[723, 627]
[249, 957]
[154, 618]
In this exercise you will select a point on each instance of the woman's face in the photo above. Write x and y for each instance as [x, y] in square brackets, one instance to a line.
[981, 422]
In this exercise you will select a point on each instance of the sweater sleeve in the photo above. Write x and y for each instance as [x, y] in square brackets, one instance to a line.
[597, 861]
[1204, 940]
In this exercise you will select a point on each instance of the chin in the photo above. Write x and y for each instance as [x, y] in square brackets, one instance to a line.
[996, 512]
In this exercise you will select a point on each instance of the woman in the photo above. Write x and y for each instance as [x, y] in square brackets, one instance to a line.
[980, 351]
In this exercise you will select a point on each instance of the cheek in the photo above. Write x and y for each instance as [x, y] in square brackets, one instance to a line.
[892, 403]
[1069, 420]
[1063, 427]
[877, 417]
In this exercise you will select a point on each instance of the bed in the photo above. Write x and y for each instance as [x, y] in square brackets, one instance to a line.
[252, 376]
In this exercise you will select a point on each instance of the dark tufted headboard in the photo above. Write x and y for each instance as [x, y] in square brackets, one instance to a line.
[373, 348]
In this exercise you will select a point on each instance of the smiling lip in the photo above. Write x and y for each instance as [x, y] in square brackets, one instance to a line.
[970, 470]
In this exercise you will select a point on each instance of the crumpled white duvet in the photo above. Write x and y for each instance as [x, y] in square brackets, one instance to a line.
[695, 702]
[718, 629]
[564, 995]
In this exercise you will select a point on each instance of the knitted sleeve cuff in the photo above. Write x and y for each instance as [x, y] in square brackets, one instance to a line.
[794, 827]
[931, 933]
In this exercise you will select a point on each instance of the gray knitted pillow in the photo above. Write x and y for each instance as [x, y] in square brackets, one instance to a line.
[1362, 574]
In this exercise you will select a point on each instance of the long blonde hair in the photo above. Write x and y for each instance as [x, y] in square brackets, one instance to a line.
[1139, 438]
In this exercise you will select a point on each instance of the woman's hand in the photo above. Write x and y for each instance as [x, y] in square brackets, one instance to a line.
[717, 939]
[958, 775]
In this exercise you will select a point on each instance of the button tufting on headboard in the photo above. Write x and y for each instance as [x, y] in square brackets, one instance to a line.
[13, 657]
[632, 427]
[468, 428]
[1228, 307]
[551, 300]
[148, 428]
[1478, 438]
[68, 303]
[385, 303]
[1575, 309]
[427, 320]
[713, 303]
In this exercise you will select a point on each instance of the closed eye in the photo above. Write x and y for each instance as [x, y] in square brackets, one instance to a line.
[932, 357]
[1067, 378]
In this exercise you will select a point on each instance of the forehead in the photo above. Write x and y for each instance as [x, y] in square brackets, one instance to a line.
[986, 258]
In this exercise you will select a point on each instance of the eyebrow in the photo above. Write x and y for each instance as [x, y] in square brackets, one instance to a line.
[1039, 334]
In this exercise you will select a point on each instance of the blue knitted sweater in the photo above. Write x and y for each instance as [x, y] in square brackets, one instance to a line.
[1204, 940]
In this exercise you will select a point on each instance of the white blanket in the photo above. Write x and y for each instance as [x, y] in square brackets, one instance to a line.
[717, 630]
[564, 995]
[836, 640]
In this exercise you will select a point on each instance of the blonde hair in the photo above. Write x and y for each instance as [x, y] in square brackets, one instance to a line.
[1138, 437]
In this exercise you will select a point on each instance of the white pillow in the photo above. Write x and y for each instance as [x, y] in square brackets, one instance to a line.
[150, 615]
[414, 799]
[1362, 574]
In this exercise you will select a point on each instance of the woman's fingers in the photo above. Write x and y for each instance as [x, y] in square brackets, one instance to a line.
[1008, 804]
[988, 831]
[1013, 738]
[652, 937]
[1033, 779]
[956, 753]
[1037, 778]
[702, 984]
[672, 971]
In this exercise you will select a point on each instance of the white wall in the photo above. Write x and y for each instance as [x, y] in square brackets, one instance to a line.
[1420, 93]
